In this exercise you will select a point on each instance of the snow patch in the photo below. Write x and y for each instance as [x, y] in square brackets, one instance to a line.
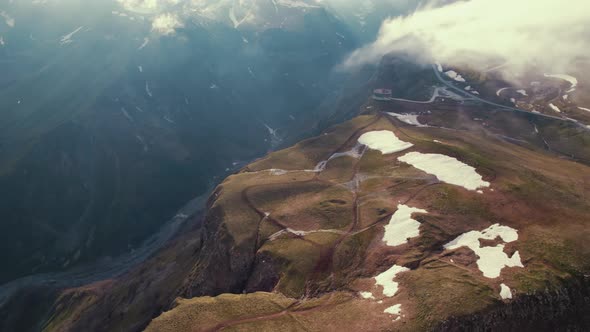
[384, 141]
[446, 169]
[394, 310]
[505, 292]
[491, 260]
[584, 109]
[454, 75]
[555, 108]
[367, 295]
[401, 226]
[410, 119]
[385, 279]
[522, 92]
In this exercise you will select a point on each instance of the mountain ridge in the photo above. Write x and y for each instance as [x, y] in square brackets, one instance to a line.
[230, 257]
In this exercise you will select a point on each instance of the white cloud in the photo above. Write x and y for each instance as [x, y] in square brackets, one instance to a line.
[550, 33]
[166, 24]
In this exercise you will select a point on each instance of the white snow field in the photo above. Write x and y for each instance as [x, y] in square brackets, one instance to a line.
[505, 292]
[385, 279]
[402, 227]
[446, 169]
[384, 141]
[410, 119]
[491, 260]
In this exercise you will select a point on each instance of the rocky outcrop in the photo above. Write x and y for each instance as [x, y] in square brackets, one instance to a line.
[222, 267]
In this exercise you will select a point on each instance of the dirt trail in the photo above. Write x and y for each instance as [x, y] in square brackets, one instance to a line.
[325, 264]
[290, 310]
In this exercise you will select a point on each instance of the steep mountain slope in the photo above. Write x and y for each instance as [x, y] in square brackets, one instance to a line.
[331, 247]
[109, 127]
[376, 224]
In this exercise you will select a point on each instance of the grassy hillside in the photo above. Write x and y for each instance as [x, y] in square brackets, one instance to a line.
[316, 237]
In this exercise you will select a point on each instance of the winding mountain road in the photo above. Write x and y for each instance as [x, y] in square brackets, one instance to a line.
[501, 107]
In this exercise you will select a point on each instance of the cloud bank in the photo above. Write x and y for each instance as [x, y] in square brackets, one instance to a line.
[550, 33]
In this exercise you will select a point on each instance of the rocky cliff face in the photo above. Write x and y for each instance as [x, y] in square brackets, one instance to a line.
[561, 309]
